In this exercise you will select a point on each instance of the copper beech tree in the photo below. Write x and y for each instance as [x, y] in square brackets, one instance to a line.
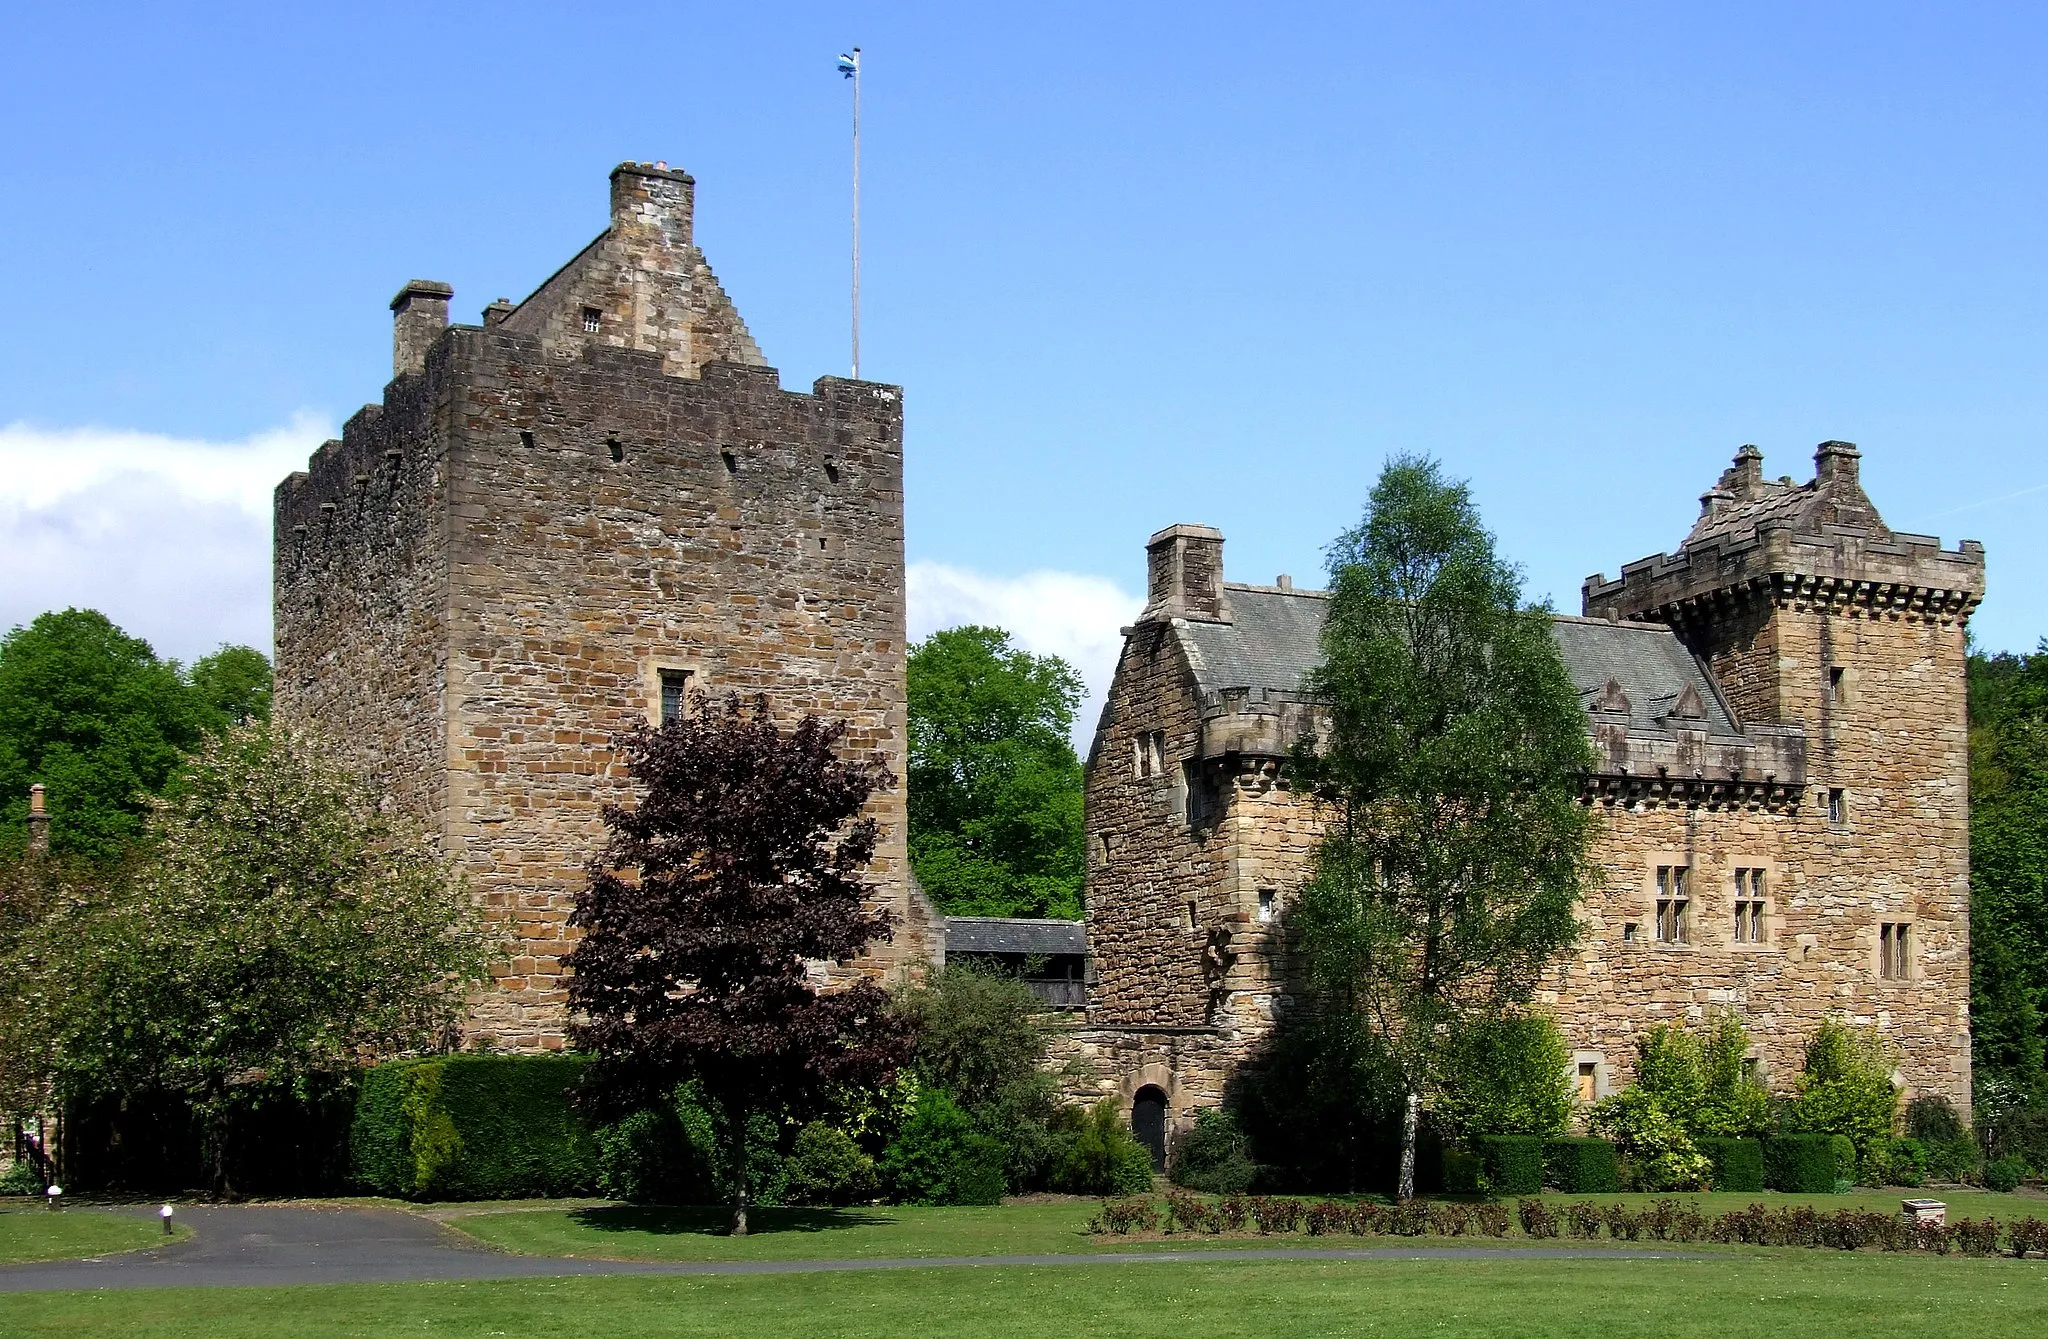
[741, 864]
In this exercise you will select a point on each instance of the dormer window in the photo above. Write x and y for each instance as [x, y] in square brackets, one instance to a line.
[593, 320]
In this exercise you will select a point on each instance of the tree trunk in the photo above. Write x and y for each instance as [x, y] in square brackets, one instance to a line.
[1405, 1189]
[739, 1215]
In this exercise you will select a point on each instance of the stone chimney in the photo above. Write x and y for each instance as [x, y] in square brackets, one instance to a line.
[1184, 574]
[1837, 462]
[38, 821]
[419, 315]
[653, 201]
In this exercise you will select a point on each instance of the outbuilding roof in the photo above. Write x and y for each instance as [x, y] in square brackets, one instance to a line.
[1001, 934]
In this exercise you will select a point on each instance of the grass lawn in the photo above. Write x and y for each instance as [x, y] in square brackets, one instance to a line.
[38, 1234]
[1773, 1295]
[644, 1233]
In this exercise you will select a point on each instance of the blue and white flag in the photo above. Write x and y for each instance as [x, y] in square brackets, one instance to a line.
[850, 65]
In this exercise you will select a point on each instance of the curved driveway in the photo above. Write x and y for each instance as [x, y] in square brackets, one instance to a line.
[256, 1245]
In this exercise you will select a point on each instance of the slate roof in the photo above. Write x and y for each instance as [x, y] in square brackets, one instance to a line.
[996, 934]
[1275, 639]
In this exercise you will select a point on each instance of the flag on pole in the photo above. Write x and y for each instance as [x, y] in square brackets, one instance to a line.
[849, 65]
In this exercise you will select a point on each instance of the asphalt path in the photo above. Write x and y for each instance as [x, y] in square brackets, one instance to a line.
[273, 1245]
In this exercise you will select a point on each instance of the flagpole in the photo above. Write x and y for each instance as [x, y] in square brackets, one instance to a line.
[856, 213]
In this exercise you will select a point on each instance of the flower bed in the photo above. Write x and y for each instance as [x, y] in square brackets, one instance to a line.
[1665, 1220]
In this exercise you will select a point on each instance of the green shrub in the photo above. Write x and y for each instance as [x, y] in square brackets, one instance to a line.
[2005, 1173]
[939, 1157]
[1105, 1157]
[826, 1167]
[655, 1157]
[1800, 1164]
[1846, 1088]
[1514, 1163]
[1952, 1153]
[1738, 1163]
[1906, 1162]
[1656, 1144]
[1214, 1156]
[1845, 1162]
[1578, 1165]
[979, 1039]
[21, 1179]
[472, 1127]
[1462, 1170]
[1733, 1105]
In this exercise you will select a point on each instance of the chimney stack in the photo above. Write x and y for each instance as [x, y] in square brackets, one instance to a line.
[38, 821]
[1837, 462]
[419, 315]
[1184, 574]
[653, 198]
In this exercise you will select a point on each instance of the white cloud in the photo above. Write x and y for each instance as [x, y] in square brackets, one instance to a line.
[167, 536]
[170, 538]
[1068, 614]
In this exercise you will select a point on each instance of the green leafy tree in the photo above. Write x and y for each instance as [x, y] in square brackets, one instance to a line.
[995, 787]
[1455, 846]
[98, 719]
[232, 687]
[2009, 888]
[280, 928]
[1509, 1075]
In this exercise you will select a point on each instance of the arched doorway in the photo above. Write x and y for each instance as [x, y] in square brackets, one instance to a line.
[1148, 1122]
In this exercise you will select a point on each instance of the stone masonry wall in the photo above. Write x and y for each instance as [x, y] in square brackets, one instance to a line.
[360, 594]
[612, 521]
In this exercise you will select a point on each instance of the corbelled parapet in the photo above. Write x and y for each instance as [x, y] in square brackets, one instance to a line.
[1816, 544]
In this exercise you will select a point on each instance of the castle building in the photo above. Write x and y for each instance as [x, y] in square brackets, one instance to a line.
[1778, 716]
[563, 522]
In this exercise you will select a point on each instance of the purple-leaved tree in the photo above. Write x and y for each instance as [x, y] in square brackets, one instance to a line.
[742, 863]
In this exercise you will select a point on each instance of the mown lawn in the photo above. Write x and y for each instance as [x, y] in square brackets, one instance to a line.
[38, 1234]
[645, 1233]
[1778, 1295]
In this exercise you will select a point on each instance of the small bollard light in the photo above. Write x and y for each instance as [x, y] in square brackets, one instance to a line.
[54, 1197]
[165, 1214]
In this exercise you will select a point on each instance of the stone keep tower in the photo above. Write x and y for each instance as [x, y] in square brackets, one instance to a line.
[560, 523]
[1813, 613]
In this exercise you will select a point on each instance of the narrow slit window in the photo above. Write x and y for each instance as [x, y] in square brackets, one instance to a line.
[526, 439]
[616, 448]
[593, 320]
[1589, 1080]
[1192, 912]
[1835, 683]
[1269, 899]
[732, 464]
[1895, 950]
[1838, 807]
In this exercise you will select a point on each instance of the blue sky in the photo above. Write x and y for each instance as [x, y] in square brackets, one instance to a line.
[1134, 265]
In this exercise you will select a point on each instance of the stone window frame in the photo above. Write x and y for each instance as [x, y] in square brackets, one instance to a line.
[1882, 944]
[1738, 865]
[651, 672]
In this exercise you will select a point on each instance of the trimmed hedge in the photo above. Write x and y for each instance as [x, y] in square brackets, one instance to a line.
[1514, 1163]
[1738, 1163]
[1801, 1164]
[1579, 1165]
[1461, 1170]
[472, 1127]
